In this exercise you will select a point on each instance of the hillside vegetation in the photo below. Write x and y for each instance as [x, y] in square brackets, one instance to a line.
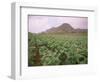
[62, 46]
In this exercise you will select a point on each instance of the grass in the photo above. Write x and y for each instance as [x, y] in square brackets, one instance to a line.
[57, 49]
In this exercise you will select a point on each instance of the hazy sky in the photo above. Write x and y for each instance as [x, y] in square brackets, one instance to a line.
[41, 23]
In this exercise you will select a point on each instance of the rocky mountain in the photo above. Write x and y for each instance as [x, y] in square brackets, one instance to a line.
[64, 28]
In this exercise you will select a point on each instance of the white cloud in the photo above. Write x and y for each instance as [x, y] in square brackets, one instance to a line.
[38, 25]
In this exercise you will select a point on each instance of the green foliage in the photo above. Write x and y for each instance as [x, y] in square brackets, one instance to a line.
[57, 49]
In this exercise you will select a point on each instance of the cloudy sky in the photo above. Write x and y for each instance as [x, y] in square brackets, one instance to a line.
[41, 23]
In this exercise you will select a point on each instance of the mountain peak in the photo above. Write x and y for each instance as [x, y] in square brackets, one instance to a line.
[63, 28]
[66, 26]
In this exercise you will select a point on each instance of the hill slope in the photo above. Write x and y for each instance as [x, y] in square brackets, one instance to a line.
[64, 28]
